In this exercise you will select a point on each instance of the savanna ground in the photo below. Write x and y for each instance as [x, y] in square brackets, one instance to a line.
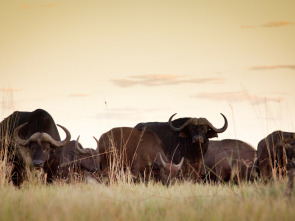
[128, 201]
[121, 199]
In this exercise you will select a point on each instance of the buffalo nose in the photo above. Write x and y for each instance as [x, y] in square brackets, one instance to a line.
[198, 139]
[38, 163]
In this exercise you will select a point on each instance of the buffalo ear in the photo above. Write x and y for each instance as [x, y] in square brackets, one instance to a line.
[211, 134]
[183, 134]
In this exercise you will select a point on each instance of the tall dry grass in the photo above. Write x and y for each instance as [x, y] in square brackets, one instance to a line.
[123, 199]
[7, 153]
[185, 201]
[7, 148]
[119, 167]
[5, 168]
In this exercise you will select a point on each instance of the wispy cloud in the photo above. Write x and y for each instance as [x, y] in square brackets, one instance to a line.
[48, 5]
[78, 95]
[272, 67]
[247, 26]
[271, 24]
[25, 6]
[126, 112]
[9, 89]
[162, 79]
[277, 24]
[237, 96]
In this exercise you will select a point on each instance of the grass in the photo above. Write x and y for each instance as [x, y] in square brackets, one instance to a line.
[121, 199]
[124, 200]
[185, 201]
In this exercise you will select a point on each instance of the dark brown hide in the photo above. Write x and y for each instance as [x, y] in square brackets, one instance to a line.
[271, 154]
[75, 159]
[37, 152]
[139, 151]
[185, 137]
[235, 165]
[229, 158]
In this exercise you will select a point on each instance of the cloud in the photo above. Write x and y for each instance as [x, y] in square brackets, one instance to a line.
[237, 96]
[247, 26]
[162, 79]
[78, 95]
[9, 89]
[25, 6]
[273, 67]
[48, 5]
[126, 112]
[277, 24]
[271, 24]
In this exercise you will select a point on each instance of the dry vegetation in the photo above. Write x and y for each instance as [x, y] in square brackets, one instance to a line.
[124, 200]
[185, 201]
[121, 199]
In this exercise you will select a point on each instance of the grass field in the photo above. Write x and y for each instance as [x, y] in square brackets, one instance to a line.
[185, 201]
[124, 200]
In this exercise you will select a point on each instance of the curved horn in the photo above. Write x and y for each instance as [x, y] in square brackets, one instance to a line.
[36, 137]
[60, 143]
[47, 138]
[162, 161]
[222, 129]
[82, 151]
[18, 139]
[178, 166]
[97, 144]
[175, 129]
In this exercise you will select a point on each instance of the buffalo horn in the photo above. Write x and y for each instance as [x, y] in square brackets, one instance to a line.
[46, 137]
[162, 161]
[66, 140]
[175, 129]
[39, 137]
[178, 166]
[36, 137]
[199, 121]
[18, 139]
[80, 150]
[218, 130]
[97, 144]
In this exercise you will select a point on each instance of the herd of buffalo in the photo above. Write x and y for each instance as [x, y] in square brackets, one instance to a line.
[163, 151]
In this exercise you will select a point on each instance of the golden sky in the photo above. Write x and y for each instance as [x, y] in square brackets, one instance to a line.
[94, 65]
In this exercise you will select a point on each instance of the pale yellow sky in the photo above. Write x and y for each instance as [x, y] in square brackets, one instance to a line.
[148, 60]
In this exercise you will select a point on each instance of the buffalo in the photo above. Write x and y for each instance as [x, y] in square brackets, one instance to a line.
[290, 152]
[31, 140]
[271, 154]
[139, 151]
[76, 160]
[185, 137]
[229, 159]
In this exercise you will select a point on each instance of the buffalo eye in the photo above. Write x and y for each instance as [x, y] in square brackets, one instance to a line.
[211, 133]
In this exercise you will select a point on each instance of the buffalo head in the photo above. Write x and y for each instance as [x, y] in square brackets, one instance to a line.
[198, 129]
[37, 149]
[88, 158]
[169, 171]
[286, 152]
[75, 159]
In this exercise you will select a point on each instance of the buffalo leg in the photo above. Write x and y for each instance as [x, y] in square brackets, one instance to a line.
[290, 185]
